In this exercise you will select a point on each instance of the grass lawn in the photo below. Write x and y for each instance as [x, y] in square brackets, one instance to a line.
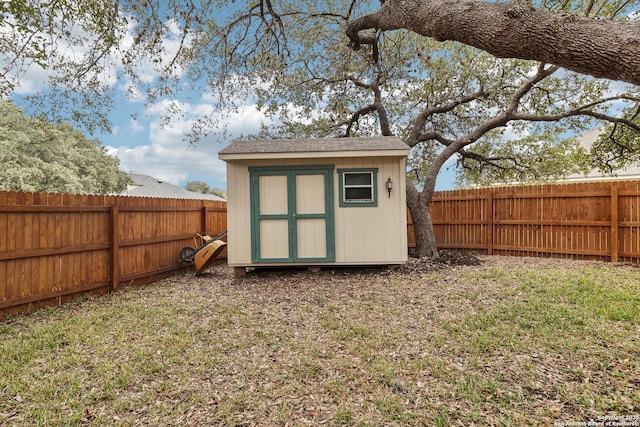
[512, 341]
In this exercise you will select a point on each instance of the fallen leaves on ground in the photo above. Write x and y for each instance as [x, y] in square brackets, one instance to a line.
[466, 340]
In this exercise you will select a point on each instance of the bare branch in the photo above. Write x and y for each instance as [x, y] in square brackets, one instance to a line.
[493, 161]
[417, 135]
[599, 47]
[353, 120]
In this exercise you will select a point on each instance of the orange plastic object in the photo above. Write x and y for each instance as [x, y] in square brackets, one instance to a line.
[207, 254]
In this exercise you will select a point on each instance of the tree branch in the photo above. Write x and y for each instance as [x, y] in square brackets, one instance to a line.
[417, 136]
[356, 116]
[599, 47]
[490, 161]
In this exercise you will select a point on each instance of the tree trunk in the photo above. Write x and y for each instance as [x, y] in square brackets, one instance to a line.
[422, 226]
[419, 202]
[599, 47]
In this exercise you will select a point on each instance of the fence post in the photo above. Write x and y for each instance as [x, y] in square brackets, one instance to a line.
[490, 223]
[203, 220]
[614, 222]
[115, 247]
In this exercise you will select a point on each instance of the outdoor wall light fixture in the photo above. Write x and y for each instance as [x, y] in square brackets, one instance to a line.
[389, 186]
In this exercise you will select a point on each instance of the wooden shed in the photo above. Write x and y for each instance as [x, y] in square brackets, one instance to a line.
[316, 202]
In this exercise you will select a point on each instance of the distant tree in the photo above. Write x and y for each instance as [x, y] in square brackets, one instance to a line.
[197, 187]
[204, 188]
[38, 156]
[219, 192]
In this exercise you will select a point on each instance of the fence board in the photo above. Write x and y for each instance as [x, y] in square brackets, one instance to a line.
[599, 220]
[55, 247]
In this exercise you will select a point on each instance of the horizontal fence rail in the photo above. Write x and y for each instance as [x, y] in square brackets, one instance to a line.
[598, 221]
[56, 247]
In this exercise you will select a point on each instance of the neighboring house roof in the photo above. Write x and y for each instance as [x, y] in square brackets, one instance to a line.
[586, 141]
[147, 186]
[300, 148]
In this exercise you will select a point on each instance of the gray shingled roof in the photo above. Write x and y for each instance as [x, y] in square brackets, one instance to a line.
[314, 145]
[147, 186]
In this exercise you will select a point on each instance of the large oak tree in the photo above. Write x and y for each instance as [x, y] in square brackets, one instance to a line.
[85, 46]
[294, 59]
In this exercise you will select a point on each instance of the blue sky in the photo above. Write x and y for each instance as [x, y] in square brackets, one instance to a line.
[144, 146]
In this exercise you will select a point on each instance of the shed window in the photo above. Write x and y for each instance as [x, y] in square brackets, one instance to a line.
[358, 187]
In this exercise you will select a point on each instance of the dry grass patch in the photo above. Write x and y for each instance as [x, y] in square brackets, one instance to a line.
[511, 341]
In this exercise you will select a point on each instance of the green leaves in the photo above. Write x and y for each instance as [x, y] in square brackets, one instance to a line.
[39, 156]
[618, 147]
[203, 187]
[292, 59]
[538, 158]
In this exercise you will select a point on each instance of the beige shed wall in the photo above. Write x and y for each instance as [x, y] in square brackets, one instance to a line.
[363, 235]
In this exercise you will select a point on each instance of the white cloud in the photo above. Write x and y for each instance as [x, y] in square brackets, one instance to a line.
[148, 70]
[246, 121]
[135, 126]
[32, 81]
[162, 152]
[168, 157]
[31, 78]
[132, 93]
[617, 88]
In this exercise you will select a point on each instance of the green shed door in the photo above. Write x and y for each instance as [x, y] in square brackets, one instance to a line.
[292, 214]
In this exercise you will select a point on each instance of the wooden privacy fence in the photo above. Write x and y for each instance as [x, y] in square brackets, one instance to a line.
[598, 220]
[54, 247]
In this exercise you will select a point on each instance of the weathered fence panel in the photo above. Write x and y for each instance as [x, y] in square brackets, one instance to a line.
[599, 220]
[55, 247]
